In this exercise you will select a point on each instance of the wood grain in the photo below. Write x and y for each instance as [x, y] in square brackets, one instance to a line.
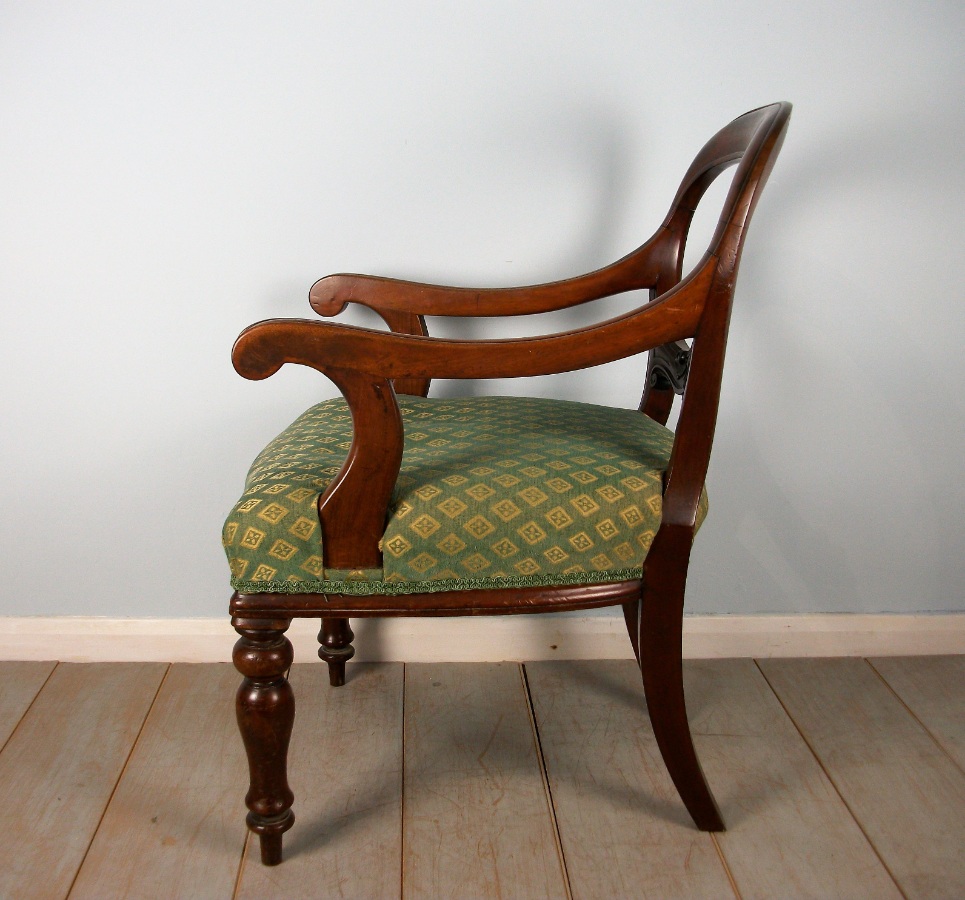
[931, 687]
[788, 833]
[624, 831]
[346, 765]
[477, 821]
[175, 825]
[59, 768]
[905, 792]
[19, 684]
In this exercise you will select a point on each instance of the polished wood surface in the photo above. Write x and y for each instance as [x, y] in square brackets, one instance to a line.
[369, 367]
[265, 707]
[335, 647]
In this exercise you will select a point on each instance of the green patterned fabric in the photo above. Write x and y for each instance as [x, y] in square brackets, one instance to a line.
[493, 492]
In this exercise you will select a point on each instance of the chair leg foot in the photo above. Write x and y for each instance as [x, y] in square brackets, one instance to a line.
[271, 854]
[270, 849]
[336, 648]
[265, 707]
[660, 647]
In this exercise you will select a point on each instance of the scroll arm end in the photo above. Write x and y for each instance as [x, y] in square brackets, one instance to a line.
[255, 356]
[326, 296]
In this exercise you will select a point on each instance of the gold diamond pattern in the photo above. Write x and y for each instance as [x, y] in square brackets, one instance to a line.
[480, 492]
[425, 525]
[490, 488]
[451, 544]
[452, 507]
[506, 510]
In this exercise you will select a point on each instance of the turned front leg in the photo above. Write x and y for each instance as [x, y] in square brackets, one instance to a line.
[265, 706]
[336, 648]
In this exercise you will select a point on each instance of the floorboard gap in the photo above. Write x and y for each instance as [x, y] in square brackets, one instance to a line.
[29, 706]
[546, 782]
[914, 715]
[127, 759]
[723, 862]
[833, 783]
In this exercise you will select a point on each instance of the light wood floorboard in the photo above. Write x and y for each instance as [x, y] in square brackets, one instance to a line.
[477, 821]
[836, 777]
[933, 688]
[624, 831]
[19, 684]
[59, 769]
[175, 826]
[346, 771]
[788, 833]
[906, 793]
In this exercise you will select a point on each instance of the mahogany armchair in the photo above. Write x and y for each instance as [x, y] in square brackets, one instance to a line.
[385, 502]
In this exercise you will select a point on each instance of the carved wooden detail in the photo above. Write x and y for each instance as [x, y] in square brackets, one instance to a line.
[266, 711]
[670, 366]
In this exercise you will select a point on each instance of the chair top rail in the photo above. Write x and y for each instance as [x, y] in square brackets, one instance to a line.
[655, 263]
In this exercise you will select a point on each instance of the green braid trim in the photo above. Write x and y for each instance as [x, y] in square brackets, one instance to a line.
[391, 588]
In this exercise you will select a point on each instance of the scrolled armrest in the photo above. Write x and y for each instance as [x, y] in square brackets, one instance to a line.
[640, 269]
[263, 348]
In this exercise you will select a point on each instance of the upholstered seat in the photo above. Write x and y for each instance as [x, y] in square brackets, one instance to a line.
[386, 502]
[492, 492]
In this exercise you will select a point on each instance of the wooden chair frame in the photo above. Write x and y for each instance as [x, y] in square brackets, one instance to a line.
[371, 367]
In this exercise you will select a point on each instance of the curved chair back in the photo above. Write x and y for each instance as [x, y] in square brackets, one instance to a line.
[752, 142]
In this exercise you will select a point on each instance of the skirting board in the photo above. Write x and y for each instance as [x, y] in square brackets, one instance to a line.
[94, 639]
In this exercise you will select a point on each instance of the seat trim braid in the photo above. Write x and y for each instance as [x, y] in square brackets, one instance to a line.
[362, 587]
[492, 601]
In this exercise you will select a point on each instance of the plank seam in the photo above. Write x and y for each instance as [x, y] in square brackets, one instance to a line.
[832, 782]
[120, 776]
[914, 715]
[241, 864]
[723, 862]
[16, 727]
[545, 778]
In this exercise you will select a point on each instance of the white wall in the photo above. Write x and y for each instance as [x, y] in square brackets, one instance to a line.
[172, 172]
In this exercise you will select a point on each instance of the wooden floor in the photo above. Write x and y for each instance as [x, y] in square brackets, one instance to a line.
[837, 778]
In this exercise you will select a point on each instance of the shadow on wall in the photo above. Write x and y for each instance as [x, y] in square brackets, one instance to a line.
[835, 471]
[595, 149]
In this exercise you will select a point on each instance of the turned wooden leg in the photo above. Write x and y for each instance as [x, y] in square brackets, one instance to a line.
[660, 649]
[336, 648]
[266, 711]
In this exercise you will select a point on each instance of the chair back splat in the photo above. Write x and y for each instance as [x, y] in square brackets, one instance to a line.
[386, 502]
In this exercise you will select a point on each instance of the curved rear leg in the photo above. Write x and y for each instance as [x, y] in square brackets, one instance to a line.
[631, 615]
[660, 648]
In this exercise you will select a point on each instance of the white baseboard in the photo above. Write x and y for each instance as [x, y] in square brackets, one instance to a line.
[94, 639]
